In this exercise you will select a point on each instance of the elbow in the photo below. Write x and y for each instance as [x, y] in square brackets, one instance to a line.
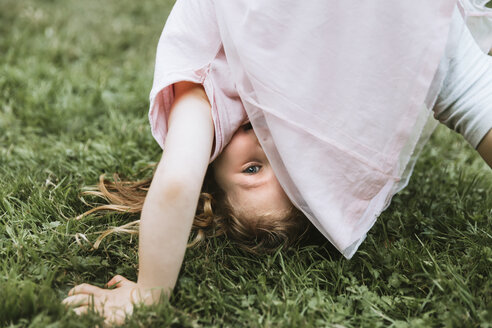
[176, 189]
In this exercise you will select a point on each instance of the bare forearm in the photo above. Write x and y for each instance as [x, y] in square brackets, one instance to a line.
[167, 214]
[485, 148]
[171, 202]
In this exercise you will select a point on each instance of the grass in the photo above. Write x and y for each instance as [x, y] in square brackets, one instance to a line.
[74, 84]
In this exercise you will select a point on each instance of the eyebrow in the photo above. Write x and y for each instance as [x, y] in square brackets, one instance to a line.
[252, 185]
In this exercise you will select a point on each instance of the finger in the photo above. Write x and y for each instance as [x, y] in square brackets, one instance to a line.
[115, 317]
[81, 310]
[117, 281]
[78, 300]
[85, 289]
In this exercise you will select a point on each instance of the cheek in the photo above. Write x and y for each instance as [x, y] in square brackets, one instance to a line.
[239, 143]
[228, 161]
[229, 153]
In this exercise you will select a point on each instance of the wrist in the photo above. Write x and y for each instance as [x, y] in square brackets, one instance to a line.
[148, 295]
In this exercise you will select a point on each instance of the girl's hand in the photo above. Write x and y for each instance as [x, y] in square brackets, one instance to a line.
[114, 304]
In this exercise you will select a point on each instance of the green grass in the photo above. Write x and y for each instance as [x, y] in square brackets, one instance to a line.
[74, 84]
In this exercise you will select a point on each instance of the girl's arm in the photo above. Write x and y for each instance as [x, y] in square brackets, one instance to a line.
[167, 214]
[485, 148]
[170, 205]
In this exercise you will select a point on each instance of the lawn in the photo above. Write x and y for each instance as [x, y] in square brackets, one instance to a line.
[74, 83]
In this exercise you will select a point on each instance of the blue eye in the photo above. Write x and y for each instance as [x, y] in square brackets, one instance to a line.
[252, 169]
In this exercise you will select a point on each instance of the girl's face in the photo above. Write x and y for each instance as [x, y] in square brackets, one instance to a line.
[242, 170]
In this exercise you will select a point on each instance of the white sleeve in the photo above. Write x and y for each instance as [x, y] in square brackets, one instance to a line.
[465, 101]
[478, 18]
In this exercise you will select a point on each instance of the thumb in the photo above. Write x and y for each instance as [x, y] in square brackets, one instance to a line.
[118, 281]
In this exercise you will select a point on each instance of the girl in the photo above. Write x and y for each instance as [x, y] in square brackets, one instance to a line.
[338, 101]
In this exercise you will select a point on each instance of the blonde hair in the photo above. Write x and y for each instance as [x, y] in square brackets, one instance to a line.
[214, 216]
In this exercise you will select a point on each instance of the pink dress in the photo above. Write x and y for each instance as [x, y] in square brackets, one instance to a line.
[337, 92]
